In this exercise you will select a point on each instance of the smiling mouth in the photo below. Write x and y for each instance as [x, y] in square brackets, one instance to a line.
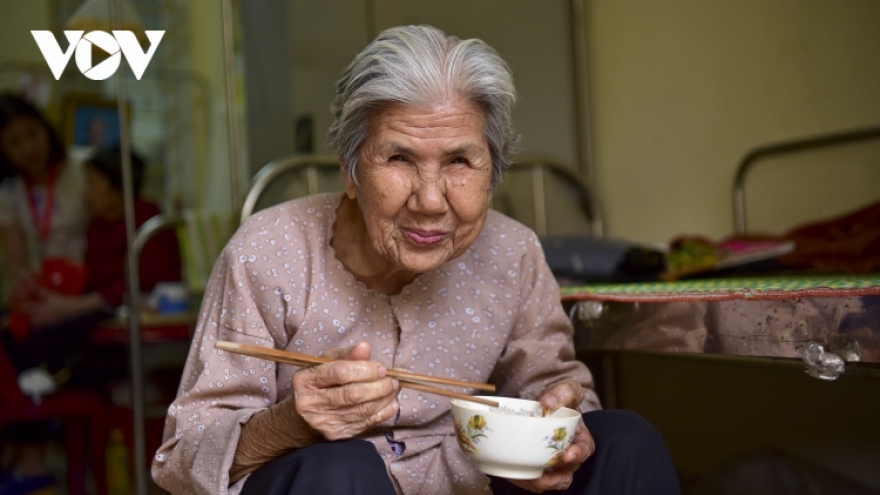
[424, 237]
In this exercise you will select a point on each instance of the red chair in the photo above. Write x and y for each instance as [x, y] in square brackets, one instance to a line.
[84, 420]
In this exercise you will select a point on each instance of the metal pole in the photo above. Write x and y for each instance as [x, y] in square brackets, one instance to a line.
[231, 107]
[540, 202]
[581, 89]
[133, 278]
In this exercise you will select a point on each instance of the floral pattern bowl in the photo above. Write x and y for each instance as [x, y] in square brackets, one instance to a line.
[514, 440]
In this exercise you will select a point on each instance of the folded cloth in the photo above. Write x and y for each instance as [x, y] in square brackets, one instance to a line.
[36, 383]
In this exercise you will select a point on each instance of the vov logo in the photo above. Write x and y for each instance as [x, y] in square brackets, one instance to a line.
[118, 44]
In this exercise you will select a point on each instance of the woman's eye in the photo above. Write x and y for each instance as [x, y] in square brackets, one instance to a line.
[397, 158]
[459, 160]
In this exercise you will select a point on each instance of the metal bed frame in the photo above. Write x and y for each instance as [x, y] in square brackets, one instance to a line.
[540, 167]
[783, 148]
[311, 165]
[146, 232]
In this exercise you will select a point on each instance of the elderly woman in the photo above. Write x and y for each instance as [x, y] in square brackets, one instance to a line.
[408, 269]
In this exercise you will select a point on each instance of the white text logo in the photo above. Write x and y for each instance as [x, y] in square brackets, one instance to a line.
[118, 44]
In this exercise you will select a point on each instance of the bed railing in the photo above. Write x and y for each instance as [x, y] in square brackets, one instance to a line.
[586, 200]
[310, 165]
[786, 147]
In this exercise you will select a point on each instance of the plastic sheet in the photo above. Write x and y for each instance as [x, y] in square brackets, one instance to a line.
[844, 328]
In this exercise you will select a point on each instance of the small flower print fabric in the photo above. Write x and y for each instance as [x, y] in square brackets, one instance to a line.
[491, 315]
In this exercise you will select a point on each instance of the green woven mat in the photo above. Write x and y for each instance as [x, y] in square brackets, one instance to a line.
[729, 288]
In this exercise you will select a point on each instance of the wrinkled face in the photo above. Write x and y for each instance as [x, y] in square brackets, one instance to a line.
[424, 183]
[25, 143]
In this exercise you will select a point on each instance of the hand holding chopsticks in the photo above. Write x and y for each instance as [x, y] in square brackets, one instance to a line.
[409, 380]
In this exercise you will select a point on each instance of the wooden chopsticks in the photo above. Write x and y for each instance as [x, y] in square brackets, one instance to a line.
[409, 380]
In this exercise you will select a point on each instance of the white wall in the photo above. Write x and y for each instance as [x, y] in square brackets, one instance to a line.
[682, 89]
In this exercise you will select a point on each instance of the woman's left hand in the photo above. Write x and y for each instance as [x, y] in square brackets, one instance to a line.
[566, 394]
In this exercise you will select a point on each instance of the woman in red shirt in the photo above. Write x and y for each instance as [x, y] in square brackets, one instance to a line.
[104, 261]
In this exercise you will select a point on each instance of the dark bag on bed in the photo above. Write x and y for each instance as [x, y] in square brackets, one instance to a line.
[590, 259]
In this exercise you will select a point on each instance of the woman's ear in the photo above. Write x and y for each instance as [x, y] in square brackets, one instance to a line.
[350, 186]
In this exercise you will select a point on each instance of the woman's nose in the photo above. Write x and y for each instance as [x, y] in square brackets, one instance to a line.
[430, 196]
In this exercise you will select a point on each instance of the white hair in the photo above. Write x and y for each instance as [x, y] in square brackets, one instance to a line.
[421, 66]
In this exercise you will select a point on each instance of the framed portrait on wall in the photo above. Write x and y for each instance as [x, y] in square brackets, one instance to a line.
[91, 122]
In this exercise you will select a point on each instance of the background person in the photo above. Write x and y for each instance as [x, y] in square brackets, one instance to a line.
[43, 213]
[62, 323]
[43, 219]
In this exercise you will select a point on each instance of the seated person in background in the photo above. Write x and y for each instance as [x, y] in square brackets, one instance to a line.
[61, 324]
[70, 318]
[43, 218]
[107, 241]
[43, 212]
[408, 269]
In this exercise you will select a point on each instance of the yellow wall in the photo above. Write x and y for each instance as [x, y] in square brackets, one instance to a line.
[17, 45]
[681, 90]
[16, 42]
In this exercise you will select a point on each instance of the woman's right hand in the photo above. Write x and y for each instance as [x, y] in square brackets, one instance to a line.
[341, 399]
[331, 401]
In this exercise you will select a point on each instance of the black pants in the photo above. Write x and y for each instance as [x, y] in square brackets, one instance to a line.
[329, 468]
[630, 459]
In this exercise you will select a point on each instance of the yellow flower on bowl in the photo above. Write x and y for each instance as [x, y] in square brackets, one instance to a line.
[470, 434]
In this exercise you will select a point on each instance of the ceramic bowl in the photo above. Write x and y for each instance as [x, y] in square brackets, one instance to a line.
[508, 443]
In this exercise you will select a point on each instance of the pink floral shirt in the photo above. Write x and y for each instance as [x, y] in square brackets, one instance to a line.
[491, 315]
